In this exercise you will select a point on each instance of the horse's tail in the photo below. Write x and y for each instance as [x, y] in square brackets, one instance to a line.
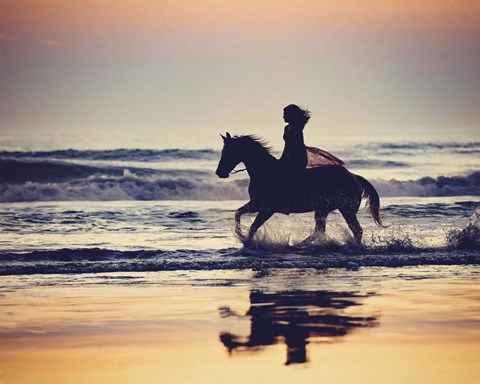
[369, 192]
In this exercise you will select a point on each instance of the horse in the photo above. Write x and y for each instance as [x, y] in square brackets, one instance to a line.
[273, 189]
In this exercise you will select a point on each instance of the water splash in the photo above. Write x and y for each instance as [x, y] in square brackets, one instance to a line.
[468, 237]
[299, 239]
[266, 239]
[395, 241]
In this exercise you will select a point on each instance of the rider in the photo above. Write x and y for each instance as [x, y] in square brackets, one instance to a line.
[296, 155]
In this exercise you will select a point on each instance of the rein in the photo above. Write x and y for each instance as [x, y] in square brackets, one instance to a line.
[238, 170]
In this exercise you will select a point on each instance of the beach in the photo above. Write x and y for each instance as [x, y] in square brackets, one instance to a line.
[410, 324]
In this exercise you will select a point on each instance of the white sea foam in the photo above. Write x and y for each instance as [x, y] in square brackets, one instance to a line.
[128, 185]
[178, 174]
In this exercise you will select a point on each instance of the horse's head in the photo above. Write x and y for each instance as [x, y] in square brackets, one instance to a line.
[231, 156]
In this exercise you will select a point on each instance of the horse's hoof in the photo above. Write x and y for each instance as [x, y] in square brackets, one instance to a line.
[248, 243]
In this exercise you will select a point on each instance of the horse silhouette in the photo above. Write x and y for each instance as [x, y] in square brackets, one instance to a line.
[274, 189]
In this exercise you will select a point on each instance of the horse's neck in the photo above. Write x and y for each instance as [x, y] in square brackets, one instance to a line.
[259, 164]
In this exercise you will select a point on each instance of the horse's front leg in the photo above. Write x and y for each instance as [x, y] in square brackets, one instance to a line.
[247, 208]
[261, 218]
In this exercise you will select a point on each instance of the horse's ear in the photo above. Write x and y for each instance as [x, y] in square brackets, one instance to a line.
[223, 137]
[228, 136]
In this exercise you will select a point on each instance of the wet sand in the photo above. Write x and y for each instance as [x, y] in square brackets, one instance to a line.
[375, 325]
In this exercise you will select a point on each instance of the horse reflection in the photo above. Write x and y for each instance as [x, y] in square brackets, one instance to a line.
[294, 317]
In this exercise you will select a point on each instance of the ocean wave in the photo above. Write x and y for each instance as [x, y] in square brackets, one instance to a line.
[128, 186]
[140, 155]
[105, 260]
[51, 171]
[153, 155]
[427, 145]
[48, 170]
[14, 171]
[70, 182]
[366, 163]
[430, 186]
[419, 149]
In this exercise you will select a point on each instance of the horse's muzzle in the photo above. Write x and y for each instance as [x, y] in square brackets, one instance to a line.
[221, 174]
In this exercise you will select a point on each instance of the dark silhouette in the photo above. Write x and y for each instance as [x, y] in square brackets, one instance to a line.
[294, 318]
[296, 155]
[272, 189]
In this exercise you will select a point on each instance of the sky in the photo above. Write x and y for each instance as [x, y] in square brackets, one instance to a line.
[159, 72]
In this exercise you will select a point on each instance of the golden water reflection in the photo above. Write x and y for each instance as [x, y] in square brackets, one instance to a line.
[372, 326]
[296, 318]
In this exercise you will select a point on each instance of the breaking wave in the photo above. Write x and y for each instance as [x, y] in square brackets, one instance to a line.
[63, 181]
[429, 186]
[126, 186]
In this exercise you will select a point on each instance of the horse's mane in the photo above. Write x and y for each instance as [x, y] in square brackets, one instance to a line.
[254, 142]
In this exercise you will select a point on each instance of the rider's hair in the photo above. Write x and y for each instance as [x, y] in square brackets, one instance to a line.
[297, 115]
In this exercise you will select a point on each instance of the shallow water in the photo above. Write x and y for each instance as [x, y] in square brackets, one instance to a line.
[85, 237]
[375, 325]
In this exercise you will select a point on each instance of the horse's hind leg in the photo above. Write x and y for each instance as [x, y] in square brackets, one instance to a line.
[354, 225]
[320, 224]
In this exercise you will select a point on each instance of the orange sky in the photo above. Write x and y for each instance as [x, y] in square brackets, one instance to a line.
[117, 21]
